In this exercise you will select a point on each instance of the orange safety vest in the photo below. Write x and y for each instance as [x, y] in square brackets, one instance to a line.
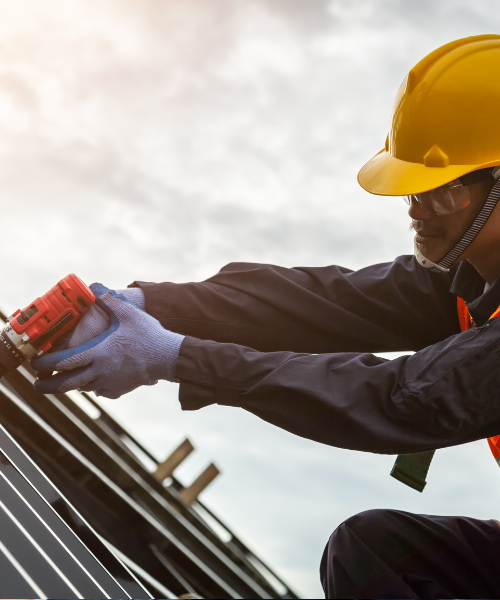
[467, 322]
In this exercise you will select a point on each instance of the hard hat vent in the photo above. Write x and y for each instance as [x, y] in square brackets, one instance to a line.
[436, 158]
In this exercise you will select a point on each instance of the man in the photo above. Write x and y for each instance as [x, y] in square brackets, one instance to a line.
[292, 345]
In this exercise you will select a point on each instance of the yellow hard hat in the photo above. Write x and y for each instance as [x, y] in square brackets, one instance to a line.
[445, 121]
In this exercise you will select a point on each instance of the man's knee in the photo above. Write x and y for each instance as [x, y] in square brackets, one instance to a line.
[367, 524]
[347, 543]
[354, 548]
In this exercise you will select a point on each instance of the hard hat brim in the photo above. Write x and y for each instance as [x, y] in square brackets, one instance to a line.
[385, 175]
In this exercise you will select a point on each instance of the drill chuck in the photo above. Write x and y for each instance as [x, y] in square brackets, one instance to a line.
[11, 354]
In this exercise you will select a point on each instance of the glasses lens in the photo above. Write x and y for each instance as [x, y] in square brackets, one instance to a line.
[454, 197]
[444, 200]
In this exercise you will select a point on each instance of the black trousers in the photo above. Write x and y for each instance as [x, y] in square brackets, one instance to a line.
[395, 554]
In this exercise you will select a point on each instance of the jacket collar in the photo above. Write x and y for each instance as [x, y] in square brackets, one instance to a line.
[469, 285]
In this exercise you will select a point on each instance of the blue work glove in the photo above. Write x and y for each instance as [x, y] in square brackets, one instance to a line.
[95, 320]
[135, 350]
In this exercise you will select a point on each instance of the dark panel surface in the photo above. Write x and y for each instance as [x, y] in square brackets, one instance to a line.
[81, 514]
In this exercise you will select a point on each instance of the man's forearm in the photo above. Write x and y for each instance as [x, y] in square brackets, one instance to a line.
[391, 306]
[444, 395]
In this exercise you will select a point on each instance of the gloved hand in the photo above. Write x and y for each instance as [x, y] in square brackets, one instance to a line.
[135, 350]
[95, 320]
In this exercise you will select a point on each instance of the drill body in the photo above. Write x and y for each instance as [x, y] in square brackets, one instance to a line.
[44, 323]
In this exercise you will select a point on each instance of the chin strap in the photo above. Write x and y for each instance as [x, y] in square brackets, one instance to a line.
[425, 262]
[443, 266]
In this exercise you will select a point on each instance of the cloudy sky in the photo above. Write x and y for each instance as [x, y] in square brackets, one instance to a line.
[160, 140]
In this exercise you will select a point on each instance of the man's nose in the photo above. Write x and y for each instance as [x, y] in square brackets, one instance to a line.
[416, 211]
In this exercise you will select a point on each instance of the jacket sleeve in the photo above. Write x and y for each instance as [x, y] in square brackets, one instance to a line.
[444, 395]
[386, 307]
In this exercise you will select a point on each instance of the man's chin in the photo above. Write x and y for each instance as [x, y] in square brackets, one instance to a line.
[429, 250]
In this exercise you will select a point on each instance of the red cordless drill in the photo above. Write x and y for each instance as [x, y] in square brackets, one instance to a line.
[43, 323]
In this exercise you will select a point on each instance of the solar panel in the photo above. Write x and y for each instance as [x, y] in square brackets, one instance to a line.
[39, 548]
[83, 516]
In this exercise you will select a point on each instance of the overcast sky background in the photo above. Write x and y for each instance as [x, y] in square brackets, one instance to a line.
[160, 140]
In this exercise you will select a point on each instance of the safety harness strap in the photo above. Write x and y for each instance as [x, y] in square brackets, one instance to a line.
[412, 469]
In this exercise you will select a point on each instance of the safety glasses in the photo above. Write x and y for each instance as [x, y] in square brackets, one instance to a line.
[448, 198]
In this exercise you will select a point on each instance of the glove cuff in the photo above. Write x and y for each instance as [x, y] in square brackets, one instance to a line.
[135, 296]
[165, 354]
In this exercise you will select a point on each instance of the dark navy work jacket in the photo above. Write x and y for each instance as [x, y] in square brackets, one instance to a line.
[293, 346]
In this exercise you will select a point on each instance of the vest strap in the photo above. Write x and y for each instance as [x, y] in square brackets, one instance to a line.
[464, 317]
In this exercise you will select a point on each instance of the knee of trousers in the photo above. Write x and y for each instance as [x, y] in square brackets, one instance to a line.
[345, 553]
[366, 525]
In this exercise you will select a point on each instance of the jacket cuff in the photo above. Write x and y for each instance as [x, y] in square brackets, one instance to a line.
[155, 297]
[177, 309]
[200, 382]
